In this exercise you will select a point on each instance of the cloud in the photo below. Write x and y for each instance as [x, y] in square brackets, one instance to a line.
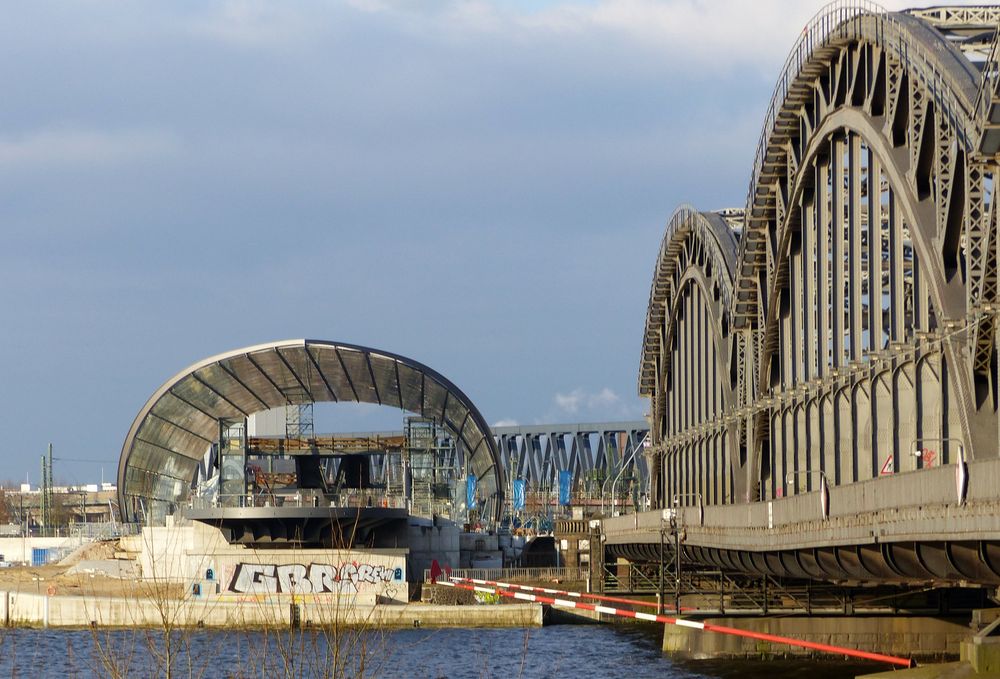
[505, 423]
[68, 147]
[723, 33]
[254, 23]
[582, 402]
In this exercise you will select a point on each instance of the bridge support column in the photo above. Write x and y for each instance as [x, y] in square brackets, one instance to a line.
[654, 463]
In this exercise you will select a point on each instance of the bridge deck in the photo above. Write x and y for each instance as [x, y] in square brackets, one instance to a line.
[901, 528]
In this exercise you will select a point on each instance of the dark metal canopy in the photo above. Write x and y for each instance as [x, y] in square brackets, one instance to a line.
[178, 424]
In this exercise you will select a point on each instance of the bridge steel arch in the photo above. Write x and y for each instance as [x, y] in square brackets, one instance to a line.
[846, 317]
[178, 424]
[689, 304]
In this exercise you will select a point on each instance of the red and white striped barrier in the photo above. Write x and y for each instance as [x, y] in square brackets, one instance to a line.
[563, 592]
[681, 622]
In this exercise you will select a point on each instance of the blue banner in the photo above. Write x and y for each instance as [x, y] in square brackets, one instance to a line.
[565, 484]
[519, 494]
[470, 492]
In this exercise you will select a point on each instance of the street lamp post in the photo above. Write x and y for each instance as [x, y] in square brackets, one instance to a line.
[604, 486]
[614, 484]
[675, 524]
[824, 490]
[676, 501]
[961, 467]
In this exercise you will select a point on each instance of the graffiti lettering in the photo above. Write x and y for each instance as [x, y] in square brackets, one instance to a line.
[255, 578]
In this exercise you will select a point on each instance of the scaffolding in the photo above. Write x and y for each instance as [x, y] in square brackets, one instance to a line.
[421, 470]
[431, 458]
[232, 457]
[299, 421]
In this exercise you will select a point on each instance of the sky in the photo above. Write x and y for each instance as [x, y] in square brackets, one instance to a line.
[481, 186]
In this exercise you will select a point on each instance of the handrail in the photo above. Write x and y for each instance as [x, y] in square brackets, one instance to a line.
[351, 498]
[988, 84]
[561, 573]
[815, 34]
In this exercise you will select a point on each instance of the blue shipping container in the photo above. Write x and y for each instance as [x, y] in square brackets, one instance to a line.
[39, 557]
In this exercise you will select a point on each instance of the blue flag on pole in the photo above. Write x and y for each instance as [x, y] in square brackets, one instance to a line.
[565, 484]
[470, 492]
[518, 494]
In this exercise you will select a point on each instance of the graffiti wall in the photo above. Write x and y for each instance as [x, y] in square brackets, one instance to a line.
[316, 578]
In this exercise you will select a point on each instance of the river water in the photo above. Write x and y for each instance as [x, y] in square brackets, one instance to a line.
[579, 651]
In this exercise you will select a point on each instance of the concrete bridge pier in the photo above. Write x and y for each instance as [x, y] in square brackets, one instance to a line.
[922, 638]
[979, 659]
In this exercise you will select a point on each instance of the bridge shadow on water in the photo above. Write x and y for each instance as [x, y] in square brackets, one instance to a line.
[764, 667]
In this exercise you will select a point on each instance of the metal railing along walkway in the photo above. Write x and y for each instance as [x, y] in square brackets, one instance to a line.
[564, 573]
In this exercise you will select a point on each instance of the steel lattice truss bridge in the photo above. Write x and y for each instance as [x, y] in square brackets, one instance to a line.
[822, 364]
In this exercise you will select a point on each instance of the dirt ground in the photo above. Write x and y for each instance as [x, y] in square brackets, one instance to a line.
[54, 579]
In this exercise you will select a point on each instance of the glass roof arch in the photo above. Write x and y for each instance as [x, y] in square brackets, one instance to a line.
[172, 432]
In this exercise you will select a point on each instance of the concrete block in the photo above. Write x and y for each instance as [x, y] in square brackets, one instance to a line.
[418, 542]
[479, 541]
[983, 654]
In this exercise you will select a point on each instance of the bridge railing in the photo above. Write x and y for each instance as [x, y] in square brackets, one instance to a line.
[920, 488]
[561, 573]
[347, 498]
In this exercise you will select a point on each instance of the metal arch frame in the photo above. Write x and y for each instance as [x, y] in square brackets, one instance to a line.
[953, 120]
[906, 94]
[709, 242]
[941, 72]
[697, 433]
[695, 275]
[889, 321]
[852, 120]
[698, 251]
[951, 125]
[494, 466]
[945, 297]
[718, 241]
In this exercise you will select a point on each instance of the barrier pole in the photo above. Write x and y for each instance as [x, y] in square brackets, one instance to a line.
[693, 624]
[562, 592]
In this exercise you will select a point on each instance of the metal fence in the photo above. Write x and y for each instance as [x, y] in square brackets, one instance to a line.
[537, 573]
[349, 498]
[104, 530]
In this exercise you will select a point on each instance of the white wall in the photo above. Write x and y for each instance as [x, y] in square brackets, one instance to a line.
[17, 550]
[185, 554]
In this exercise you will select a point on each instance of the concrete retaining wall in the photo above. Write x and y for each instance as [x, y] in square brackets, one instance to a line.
[186, 554]
[428, 542]
[69, 611]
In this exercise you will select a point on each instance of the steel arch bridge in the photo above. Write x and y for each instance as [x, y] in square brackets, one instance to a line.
[839, 333]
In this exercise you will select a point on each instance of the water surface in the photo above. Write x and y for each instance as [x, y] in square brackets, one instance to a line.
[556, 651]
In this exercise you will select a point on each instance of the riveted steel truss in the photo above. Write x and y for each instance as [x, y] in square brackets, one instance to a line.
[596, 452]
[842, 326]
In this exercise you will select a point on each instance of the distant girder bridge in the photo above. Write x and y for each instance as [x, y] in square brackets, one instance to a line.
[537, 453]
